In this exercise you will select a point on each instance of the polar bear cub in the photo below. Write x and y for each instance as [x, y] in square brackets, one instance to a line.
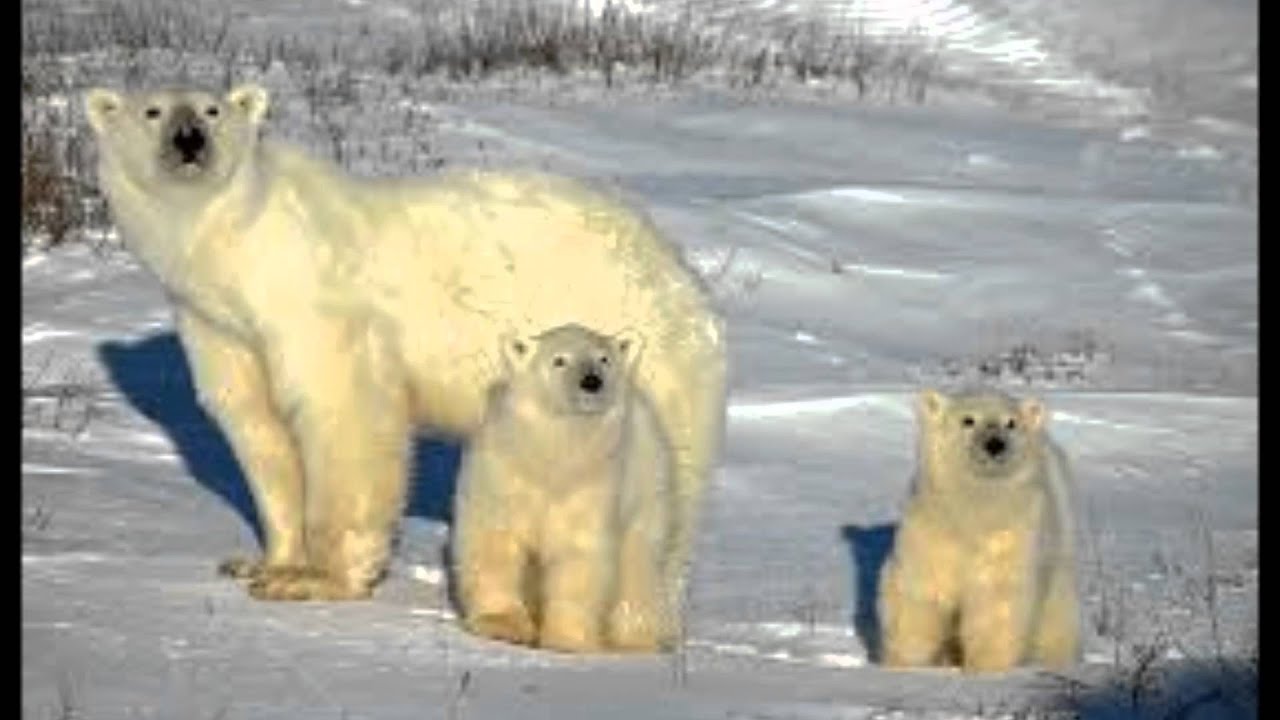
[327, 317]
[564, 506]
[983, 563]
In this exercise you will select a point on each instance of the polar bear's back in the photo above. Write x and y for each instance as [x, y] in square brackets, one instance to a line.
[458, 259]
[535, 250]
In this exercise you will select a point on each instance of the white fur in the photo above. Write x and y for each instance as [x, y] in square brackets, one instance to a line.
[983, 565]
[326, 315]
[563, 521]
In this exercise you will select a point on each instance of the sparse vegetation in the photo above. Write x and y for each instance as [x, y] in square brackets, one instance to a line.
[341, 70]
[1156, 671]
[1074, 362]
[67, 406]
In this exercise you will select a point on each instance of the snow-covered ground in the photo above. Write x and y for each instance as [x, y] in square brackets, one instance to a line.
[859, 253]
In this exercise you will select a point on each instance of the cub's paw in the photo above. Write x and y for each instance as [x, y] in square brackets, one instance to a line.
[571, 637]
[293, 583]
[513, 626]
[239, 567]
[640, 633]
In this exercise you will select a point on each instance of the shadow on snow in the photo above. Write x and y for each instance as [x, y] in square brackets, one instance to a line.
[869, 548]
[153, 376]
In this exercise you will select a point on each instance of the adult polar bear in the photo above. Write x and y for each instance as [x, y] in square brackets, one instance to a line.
[326, 316]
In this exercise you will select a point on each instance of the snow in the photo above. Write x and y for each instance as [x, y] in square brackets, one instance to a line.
[859, 252]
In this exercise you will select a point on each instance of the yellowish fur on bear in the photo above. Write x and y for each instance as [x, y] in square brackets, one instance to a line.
[325, 316]
[564, 501]
[983, 563]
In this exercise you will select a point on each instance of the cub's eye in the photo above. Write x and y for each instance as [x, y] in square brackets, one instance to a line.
[212, 111]
[153, 113]
[967, 421]
[1011, 424]
[604, 359]
[559, 361]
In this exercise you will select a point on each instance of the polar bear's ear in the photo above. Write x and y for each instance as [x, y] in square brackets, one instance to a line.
[1033, 413]
[250, 99]
[516, 350]
[101, 105]
[931, 403]
[629, 344]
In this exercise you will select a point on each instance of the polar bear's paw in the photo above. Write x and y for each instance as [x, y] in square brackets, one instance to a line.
[239, 567]
[640, 639]
[513, 626]
[294, 583]
[571, 632]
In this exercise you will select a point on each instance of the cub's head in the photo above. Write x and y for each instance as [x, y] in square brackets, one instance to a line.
[174, 139]
[572, 370]
[988, 436]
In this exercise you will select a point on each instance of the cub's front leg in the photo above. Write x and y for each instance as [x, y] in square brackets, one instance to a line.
[340, 387]
[231, 385]
[490, 553]
[920, 591]
[578, 554]
[997, 612]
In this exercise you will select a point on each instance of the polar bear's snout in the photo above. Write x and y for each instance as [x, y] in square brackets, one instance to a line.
[592, 390]
[591, 382]
[995, 446]
[994, 449]
[186, 139]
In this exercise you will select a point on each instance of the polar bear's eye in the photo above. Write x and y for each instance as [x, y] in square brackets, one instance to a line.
[604, 359]
[967, 421]
[1011, 424]
[212, 111]
[559, 361]
[153, 112]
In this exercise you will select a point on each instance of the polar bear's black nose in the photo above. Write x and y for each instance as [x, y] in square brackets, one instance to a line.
[591, 383]
[189, 140]
[995, 446]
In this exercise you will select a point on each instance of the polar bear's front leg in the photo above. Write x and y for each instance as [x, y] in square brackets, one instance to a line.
[915, 619]
[995, 618]
[920, 592]
[640, 620]
[489, 548]
[490, 566]
[577, 563]
[348, 411]
[231, 386]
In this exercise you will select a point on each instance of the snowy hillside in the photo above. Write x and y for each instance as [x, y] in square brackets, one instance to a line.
[859, 252]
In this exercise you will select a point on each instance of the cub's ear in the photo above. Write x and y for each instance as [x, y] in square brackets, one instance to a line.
[516, 350]
[101, 106]
[1033, 412]
[250, 99]
[629, 344]
[931, 404]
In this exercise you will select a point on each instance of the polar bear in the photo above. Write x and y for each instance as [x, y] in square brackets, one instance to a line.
[564, 503]
[983, 563]
[326, 316]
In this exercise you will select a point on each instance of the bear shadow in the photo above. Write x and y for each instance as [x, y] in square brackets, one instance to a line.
[153, 376]
[869, 548]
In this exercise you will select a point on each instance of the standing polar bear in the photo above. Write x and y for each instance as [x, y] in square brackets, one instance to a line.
[326, 316]
[563, 509]
[983, 562]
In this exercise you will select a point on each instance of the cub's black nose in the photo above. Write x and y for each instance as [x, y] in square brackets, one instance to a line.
[189, 140]
[591, 383]
[995, 446]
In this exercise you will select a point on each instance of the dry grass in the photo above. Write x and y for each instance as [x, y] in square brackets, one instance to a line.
[158, 42]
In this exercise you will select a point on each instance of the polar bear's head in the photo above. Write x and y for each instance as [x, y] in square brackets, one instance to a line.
[175, 139]
[572, 370]
[986, 435]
